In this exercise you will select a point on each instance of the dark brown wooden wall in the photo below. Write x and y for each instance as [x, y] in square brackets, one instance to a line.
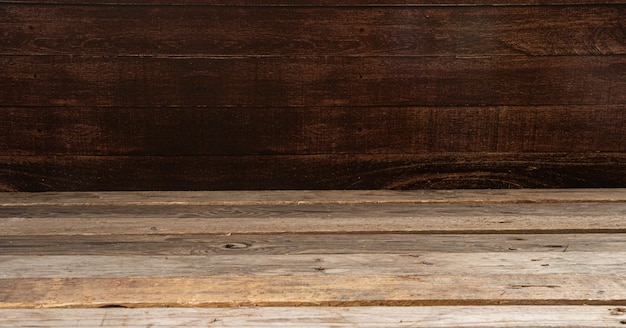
[316, 94]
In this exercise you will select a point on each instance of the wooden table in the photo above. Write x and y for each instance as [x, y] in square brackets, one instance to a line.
[483, 258]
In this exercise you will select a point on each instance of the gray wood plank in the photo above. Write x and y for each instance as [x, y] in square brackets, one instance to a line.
[330, 265]
[320, 218]
[284, 244]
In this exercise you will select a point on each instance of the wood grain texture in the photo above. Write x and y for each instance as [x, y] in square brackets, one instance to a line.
[339, 252]
[312, 197]
[595, 217]
[297, 81]
[283, 94]
[304, 266]
[293, 244]
[313, 31]
[305, 317]
[427, 171]
[317, 130]
[316, 290]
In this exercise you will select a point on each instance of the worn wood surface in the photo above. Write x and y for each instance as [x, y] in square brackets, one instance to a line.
[438, 316]
[231, 258]
[311, 197]
[331, 265]
[314, 31]
[316, 81]
[341, 171]
[310, 130]
[329, 219]
[286, 94]
[378, 242]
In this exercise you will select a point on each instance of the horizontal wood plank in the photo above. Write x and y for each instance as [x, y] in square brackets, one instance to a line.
[269, 250]
[293, 244]
[427, 171]
[320, 290]
[321, 211]
[318, 81]
[317, 130]
[340, 317]
[314, 31]
[312, 197]
[329, 265]
[233, 220]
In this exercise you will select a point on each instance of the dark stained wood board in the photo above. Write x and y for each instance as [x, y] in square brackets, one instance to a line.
[184, 94]
[310, 130]
[313, 31]
[318, 81]
[428, 171]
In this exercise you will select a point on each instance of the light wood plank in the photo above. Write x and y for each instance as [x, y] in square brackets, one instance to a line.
[320, 289]
[419, 263]
[302, 317]
[283, 244]
[308, 197]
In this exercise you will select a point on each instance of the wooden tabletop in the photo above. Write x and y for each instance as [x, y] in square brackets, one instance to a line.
[551, 258]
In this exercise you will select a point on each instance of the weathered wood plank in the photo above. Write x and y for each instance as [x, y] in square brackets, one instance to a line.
[320, 289]
[292, 131]
[319, 211]
[425, 218]
[311, 197]
[292, 244]
[423, 171]
[304, 317]
[303, 266]
[313, 31]
[317, 81]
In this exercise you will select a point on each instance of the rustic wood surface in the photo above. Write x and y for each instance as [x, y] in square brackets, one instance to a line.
[340, 171]
[315, 31]
[311, 197]
[502, 258]
[312, 81]
[436, 316]
[119, 244]
[310, 130]
[321, 218]
[291, 94]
